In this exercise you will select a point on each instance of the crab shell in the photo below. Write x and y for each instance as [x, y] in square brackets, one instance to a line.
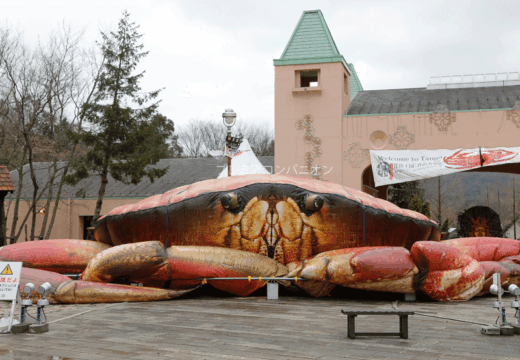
[285, 218]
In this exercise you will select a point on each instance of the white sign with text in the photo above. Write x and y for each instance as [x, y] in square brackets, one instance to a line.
[397, 166]
[9, 279]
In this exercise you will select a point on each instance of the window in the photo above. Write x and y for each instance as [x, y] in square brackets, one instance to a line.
[345, 83]
[309, 78]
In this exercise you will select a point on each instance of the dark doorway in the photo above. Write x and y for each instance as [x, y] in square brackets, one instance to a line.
[86, 223]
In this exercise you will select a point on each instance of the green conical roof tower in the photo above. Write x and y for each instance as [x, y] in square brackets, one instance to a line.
[311, 43]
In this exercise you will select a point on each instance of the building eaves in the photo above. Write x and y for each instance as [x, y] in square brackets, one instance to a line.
[355, 83]
[6, 184]
[417, 100]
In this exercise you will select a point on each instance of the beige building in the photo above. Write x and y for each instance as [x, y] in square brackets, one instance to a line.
[326, 123]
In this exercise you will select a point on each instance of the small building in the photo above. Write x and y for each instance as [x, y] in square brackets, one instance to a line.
[77, 204]
[326, 122]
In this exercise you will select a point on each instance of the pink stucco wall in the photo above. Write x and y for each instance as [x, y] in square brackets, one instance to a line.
[326, 106]
[470, 129]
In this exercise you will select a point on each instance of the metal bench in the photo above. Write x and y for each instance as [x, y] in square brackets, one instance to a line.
[403, 322]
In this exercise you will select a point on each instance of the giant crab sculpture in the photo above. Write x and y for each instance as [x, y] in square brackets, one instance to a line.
[265, 226]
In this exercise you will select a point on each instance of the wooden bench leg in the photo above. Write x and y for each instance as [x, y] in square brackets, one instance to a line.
[403, 326]
[352, 326]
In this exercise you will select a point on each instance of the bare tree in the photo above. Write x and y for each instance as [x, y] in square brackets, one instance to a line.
[42, 91]
[198, 137]
[445, 196]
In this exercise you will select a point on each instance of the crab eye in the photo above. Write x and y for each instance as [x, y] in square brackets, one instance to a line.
[229, 201]
[314, 202]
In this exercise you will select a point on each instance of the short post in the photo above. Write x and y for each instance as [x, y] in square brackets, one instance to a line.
[272, 290]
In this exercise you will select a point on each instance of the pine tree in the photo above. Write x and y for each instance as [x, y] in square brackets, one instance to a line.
[402, 194]
[420, 206]
[122, 140]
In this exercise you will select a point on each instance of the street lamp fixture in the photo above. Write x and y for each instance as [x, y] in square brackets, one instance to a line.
[229, 117]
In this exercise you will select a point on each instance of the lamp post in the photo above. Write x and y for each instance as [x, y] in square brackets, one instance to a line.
[229, 118]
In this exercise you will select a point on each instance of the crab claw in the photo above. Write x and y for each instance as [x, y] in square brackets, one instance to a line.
[446, 274]
[59, 255]
[486, 248]
[194, 262]
[87, 292]
[388, 269]
[496, 255]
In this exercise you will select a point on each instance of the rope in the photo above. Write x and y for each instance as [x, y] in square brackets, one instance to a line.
[395, 304]
[84, 312]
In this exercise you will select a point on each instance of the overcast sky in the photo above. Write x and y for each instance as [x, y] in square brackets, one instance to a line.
[210, 55]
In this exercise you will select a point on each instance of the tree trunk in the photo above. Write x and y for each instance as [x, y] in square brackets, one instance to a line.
[2, 219]
[49, 199]
[57, 201]
[35, 184]
[101, 193]
[14, 238]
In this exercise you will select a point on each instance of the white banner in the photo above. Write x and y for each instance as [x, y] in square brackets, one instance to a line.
[397, 166]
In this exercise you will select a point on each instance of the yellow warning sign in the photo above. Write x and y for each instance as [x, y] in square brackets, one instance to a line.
[7, 271]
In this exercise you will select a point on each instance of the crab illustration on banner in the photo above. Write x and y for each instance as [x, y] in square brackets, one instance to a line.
[397, 166]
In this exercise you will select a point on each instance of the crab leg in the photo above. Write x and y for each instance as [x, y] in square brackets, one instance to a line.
[87, 292]
[192, 262]
[60, 255]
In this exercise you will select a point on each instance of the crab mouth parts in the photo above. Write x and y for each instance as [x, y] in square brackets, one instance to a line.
[273, 228]
[271, 239]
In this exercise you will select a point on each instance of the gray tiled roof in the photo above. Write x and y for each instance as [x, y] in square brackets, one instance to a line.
[422, 100]
[181, 172]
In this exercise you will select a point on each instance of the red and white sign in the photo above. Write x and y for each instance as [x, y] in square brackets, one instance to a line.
[397, 166]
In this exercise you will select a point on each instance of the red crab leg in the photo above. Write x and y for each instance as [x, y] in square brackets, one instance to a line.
[86, 292]
[447, 273]
[60, 255]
